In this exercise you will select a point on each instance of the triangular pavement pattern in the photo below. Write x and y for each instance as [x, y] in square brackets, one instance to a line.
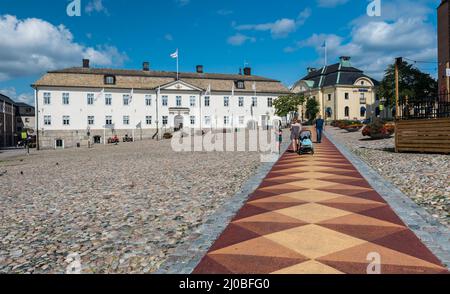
[317, 215]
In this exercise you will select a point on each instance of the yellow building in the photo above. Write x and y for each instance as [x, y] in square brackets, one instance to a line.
[343, 91]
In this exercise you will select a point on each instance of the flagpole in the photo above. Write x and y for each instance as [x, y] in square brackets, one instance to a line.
[326, 53]
[178, 56]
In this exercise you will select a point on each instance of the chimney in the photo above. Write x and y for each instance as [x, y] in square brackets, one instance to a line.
[345, 61]
[85, 63]
[247, 71]
[146, 66]
[199, 69]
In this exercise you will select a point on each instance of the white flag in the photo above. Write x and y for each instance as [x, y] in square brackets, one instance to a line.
[174, 55]
[100, 95]
[131, 95]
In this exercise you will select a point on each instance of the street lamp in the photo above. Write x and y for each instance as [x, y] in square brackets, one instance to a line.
[381, 107]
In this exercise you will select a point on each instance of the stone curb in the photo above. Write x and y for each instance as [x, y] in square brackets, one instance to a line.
[433, 234]
[188, 255]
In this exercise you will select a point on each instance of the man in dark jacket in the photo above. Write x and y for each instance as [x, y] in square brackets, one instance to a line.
[319, 128]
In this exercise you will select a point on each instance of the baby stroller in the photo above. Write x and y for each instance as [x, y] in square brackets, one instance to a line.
[306, 144]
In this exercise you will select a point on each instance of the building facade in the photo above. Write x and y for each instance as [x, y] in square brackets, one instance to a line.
[342, 91]
[25, 118]
[443, 44]
[7, 122]
[79, 105]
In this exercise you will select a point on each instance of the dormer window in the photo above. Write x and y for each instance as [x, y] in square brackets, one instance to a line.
[110, 80]
[240, 84]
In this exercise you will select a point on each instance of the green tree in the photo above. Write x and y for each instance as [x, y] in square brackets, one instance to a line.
[287, 104]
[412, 83]
[312, 109]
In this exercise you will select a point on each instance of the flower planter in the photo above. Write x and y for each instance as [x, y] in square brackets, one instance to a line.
[352, 129]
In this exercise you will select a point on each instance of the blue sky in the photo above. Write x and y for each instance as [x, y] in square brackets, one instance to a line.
[278, 39]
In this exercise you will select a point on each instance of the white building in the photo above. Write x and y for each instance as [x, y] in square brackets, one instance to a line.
[75, 105]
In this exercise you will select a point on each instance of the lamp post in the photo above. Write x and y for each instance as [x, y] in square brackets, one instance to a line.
[382, 108]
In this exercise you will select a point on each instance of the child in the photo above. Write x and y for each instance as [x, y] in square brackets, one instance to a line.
[279, 139]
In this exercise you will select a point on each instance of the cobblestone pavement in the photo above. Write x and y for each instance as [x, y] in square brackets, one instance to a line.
[122, 208]
[424, 178]
[317, 215]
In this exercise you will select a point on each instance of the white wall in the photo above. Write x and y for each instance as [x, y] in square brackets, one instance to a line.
[79, 110]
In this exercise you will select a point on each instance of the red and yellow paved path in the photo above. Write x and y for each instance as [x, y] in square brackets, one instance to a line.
[316, 214]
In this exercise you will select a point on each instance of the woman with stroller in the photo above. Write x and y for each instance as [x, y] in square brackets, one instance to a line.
[296, 129]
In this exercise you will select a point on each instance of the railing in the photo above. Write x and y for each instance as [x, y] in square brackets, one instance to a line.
[424, 108]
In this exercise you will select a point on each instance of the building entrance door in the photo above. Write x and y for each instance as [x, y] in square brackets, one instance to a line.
[178, 122]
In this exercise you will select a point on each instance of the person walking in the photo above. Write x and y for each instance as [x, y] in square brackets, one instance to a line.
[296, 129]
[319, 128]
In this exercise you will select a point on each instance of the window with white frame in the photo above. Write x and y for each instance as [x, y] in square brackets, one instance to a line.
[207, 101]
[148, 100]
[108, 120]
[255, 101]
[192, 101]
[179, 101]
[110, 80]
[148, 119]
[192, 118]
[226, 120]
[270, 102]
[65, 98]
[66, 120]
[165, 120]
[90, 99]
[47, 120]
[126, 100]
[241, 101]
[347, 96]
[165, 100]
[108, 99]
[226, 101]
[126, 120]
[241, 120]
[90, 120]
[47, 98]
[207, 120]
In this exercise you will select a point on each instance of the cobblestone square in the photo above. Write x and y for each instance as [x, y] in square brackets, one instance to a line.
[123, 209]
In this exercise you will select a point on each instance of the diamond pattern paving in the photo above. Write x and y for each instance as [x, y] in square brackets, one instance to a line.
[316, 215]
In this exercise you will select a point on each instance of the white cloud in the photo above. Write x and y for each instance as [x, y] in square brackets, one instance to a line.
[33, 46]
[376, 42]
[331, 3]
[96, 6]
[239, 39]
[22, 97]
[280, 28]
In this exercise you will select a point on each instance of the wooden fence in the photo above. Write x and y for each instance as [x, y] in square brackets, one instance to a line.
[423, 135]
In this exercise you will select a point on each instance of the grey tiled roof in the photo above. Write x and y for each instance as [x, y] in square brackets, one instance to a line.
[335, 74]
[138, 79]
[6, 99]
